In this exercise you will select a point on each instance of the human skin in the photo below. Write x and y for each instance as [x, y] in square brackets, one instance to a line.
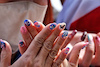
[89, 51]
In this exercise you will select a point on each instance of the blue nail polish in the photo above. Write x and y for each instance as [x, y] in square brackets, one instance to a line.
[36, 23]
[3, 45]
[52, 26]
[21, 43]
[65, 33]
[27, 23]
[67, 50]
[85, 45]
[90, 38]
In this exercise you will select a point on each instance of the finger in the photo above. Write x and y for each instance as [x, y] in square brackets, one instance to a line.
[39, 26]
[61, 57]
[31, 28]
[70, 37]
[22, 47]
[96, 59]
[48, 44]
[38, 41]
[89, 52]
[56, 48]
[25, 35]
[5, 54]
[73, 60]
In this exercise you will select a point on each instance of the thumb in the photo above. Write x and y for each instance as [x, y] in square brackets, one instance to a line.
[5, 53]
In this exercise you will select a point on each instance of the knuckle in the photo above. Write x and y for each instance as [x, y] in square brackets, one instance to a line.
[37, 63]
[56, 64]
[48, 45]
[27, 57]
[39, 41]
[53, 53]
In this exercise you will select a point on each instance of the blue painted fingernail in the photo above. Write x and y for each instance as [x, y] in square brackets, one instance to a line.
[85, 45]
[52, 26]
[67, 50]
[21, 43]
[65, 33]
[3, 45]
[27, 22]
[90, 38]
[36, 23]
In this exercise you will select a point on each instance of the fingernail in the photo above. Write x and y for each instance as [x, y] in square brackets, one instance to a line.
[62, 26]
[72, 34]
[67, 50]
[3, 45]
[83, 36]
[90, 38]
[36, 23]
[52, 26]
[65, 33]
[21, 43]
[27, 22]
[23, 29]
[85, 45]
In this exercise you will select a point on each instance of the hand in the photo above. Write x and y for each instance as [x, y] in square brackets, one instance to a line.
[31, 27]
[34, 55]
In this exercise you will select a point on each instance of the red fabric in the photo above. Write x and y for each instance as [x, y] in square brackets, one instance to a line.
[90, 22]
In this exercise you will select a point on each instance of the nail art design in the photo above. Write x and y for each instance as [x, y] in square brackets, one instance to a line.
[36, 23]
[3, 45]
[27, 22]
[65, 33]
[90, 38]
[83, 36]
[67, 50]
[52, 26]
[21, 43]
[85, 45]
[62, 26]
[72, 34]
[23, 29]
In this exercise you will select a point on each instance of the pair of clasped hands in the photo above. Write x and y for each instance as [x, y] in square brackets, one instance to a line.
[45, 46]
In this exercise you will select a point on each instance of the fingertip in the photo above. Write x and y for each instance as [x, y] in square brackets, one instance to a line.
[39, 26]
[22, 47]
[23, 29]
[5, 53]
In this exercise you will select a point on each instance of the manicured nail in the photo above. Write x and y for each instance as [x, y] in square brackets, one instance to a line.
[23, 29]
[36, 23]
[65, 33]
[85, 45]
[3, 45]
[52, 26]
[62, 26]
[27, 22]
[83, 36]
[72, 34]
[90, 38]
[21, 43]
[67, 50]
